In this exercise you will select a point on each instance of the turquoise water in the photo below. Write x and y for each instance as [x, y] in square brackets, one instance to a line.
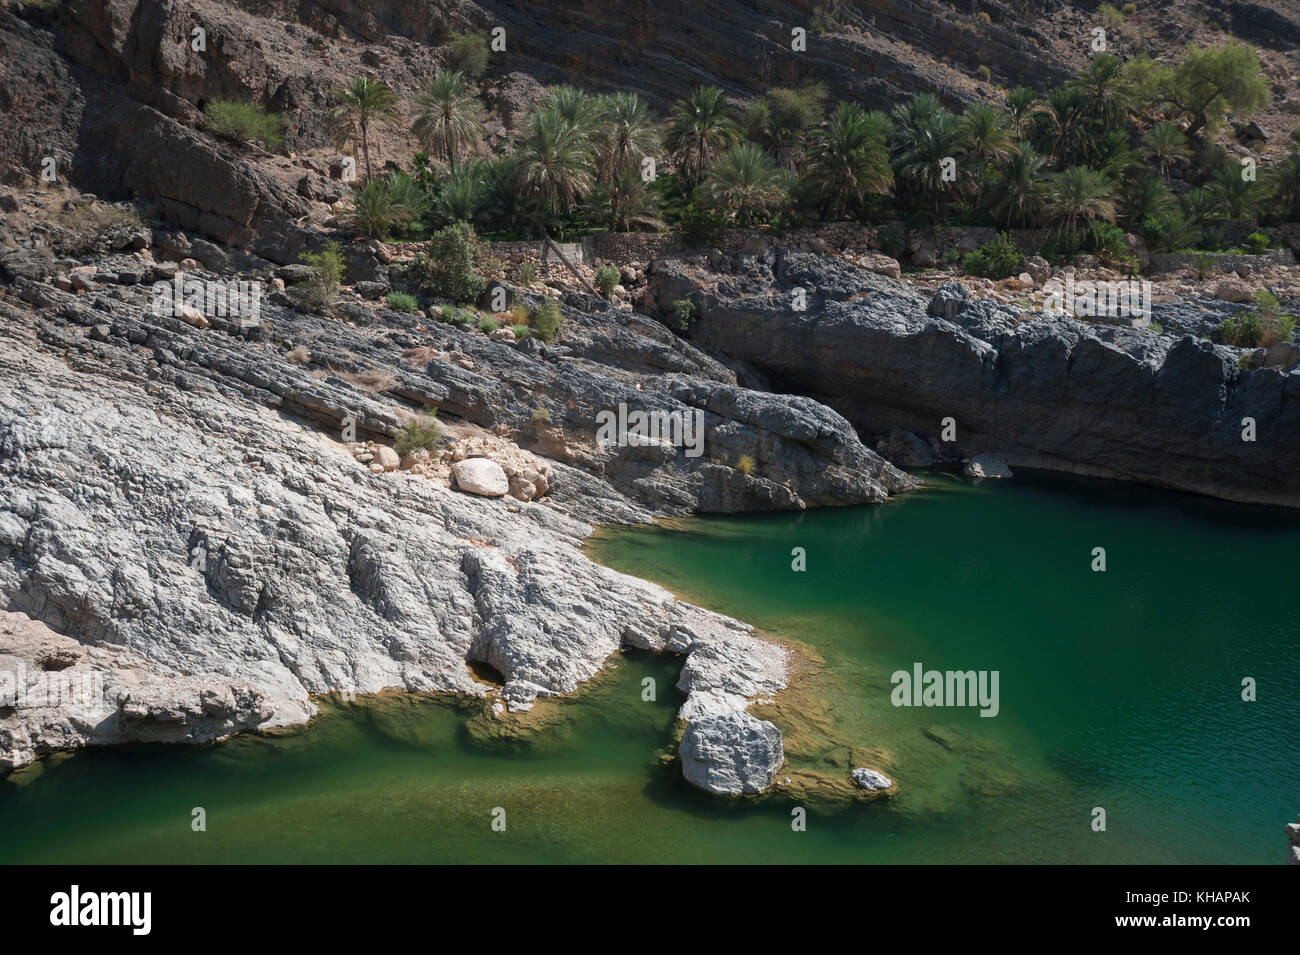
[1120, 690]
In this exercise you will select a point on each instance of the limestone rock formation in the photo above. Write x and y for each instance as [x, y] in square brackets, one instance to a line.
[731, 754]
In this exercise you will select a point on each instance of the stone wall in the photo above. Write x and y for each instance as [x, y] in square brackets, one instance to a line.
[1220, 261]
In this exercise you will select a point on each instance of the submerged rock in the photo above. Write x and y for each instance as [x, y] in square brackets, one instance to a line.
[731, 754]
[871, 779]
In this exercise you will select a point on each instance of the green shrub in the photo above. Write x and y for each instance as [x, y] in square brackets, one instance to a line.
[241, 121]
[998, 259]
[1243, 330]
[683, 315]
[521, 331]
[699, 225]
[520, 314]
[452, 315]
[540, 416]
[446, 266]
[1274, 326]
[1214, 238]
[547, 320]
[745, 465]
[1129, 9]
[467, 53]
[985, 73]
[401, 302]
[525, 273]
[1202, 265]
[420, 432]
[1257, 242]
[487, 325]
[605, 279]
[322, 286]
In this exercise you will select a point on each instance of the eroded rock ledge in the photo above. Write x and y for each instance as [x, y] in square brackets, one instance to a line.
[174, 506]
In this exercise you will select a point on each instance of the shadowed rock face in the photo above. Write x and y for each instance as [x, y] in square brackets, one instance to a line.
[1035, 391]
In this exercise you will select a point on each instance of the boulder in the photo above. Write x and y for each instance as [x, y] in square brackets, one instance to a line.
[731, 753]
[1039, 269]
[986, 466]
[386, 457]
[1233, 290]
[480, 476]
[881, 264]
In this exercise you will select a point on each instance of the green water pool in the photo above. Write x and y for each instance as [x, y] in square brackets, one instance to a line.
[1119, 690]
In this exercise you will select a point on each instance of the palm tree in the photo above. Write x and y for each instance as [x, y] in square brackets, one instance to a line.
[699, 129]
[1235, 196]
[987, 140]
[360, 103]
[1017, 196]
[625, 137]
[461, 196]
[1078, 193]
[1283, 180]
[1022, 106]
[849, 160]
[449, 120]
[1105, 90]
[1060, 125]
[555, 158]
[1147, 196]
[1165, 145]
[1200, 205]
[926, 135]
[576, 108]
[746, 184]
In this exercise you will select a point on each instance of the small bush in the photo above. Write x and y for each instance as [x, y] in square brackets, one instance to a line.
[322, 287]
[1129, 9]
[1243, 330]
[998, 259]
[299, 355]
[745, 465]
[446, 266]
[452, 315]
[547, 320]
[983, 17]
[520, 314]
[488, 325]
[245, 122]
[467, 53]
[1202, 265]
[401, 302]
[525, 273]
[700, 225]
[540, 416]
[1257, 242]
[605, 279]
[985, 73]
[1274, 326]
[683, 315]
[420, 432]
[521, 332]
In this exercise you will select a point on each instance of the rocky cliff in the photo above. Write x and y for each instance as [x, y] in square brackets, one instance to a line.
[1040, 392]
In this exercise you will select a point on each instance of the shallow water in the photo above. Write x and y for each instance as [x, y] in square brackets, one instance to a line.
[1119, 690]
